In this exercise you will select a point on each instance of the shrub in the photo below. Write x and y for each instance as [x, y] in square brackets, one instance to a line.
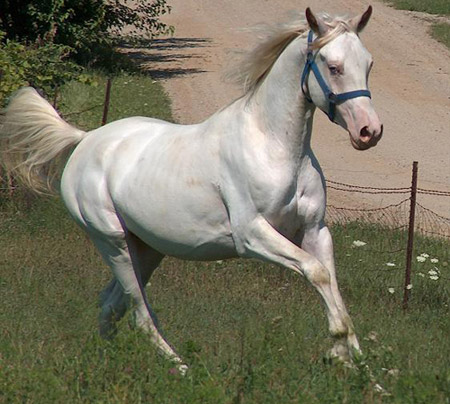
[41, 65]
[86, 26]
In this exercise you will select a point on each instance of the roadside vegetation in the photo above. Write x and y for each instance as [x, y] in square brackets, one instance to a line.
[440, 31]
[46, 43]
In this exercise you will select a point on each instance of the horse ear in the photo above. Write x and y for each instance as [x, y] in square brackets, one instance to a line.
[315, 23]
[359, 22]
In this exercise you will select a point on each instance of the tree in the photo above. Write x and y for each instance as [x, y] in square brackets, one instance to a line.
[83, 25]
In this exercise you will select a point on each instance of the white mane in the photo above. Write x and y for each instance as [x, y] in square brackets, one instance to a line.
[256, 64]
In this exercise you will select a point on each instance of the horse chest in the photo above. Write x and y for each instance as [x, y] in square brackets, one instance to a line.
[302, 210]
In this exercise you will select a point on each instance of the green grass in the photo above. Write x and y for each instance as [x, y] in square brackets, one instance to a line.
[131, 95]
[426, 6]
[441, 31]
[251, 332]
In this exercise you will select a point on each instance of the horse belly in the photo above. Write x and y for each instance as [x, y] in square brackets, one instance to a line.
[177, 211]
[182, 233]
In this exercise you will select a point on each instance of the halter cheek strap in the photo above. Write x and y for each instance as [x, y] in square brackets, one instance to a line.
[333, 98]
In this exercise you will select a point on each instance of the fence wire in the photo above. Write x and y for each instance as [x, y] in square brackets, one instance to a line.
[393, 216]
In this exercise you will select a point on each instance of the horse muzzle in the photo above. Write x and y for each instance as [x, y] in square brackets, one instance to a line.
[368, 137]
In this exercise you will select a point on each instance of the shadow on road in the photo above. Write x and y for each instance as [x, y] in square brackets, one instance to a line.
[167, 58]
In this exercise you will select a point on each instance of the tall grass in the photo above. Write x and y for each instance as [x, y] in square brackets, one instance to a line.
[251, 332]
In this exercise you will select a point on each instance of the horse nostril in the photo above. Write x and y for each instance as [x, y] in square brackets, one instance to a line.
[364, 134]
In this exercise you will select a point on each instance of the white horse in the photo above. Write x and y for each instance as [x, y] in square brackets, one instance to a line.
[243, 183]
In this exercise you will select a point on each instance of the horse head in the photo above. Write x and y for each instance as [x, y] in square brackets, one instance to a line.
[339, 84]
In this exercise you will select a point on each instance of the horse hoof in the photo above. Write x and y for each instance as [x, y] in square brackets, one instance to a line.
[180, 369]
[338, 354]
[183, 370]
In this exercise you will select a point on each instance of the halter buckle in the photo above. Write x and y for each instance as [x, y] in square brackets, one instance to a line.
[332, 97]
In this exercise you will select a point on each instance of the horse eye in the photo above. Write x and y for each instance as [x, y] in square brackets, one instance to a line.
[333, 69]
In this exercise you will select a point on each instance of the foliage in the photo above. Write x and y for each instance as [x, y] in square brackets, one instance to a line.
[41, 65]
[86, 26]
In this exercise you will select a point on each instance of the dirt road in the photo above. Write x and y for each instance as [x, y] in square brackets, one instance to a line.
[410, 84]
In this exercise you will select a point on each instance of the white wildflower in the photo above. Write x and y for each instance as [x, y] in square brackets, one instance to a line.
[409, 287]
[391, 290]
[393, 372]
[421, 274]
[434, 260]
[390, 264]
[434, 277]
[432, 272]
[277, 319]
[425, 255]
[421, 258]
[359, 243]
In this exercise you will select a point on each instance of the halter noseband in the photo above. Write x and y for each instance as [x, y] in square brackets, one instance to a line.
[333, 98]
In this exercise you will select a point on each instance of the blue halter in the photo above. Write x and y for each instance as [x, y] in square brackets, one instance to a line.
[333, 98]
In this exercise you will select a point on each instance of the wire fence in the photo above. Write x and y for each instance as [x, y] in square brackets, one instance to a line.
[405, 220]
[394, 216]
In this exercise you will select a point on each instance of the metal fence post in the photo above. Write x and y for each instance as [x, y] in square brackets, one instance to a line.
[107, 98]
[409, 250]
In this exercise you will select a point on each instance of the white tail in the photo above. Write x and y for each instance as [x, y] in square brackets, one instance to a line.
[35, 141]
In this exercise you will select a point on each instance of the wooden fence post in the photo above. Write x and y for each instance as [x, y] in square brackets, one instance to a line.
[55, 97]
[107, 99]
[409, 250]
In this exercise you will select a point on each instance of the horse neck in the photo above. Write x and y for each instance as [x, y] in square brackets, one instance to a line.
[283, 113]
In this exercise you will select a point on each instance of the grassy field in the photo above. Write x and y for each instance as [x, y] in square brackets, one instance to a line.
[131, 95]
[440, 31]
[251, 332]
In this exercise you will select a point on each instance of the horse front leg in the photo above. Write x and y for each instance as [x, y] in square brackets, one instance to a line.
[317, 241]
[258, 239]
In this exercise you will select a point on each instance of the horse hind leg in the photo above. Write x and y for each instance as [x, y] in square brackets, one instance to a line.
[132, 263]
[113, 302]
